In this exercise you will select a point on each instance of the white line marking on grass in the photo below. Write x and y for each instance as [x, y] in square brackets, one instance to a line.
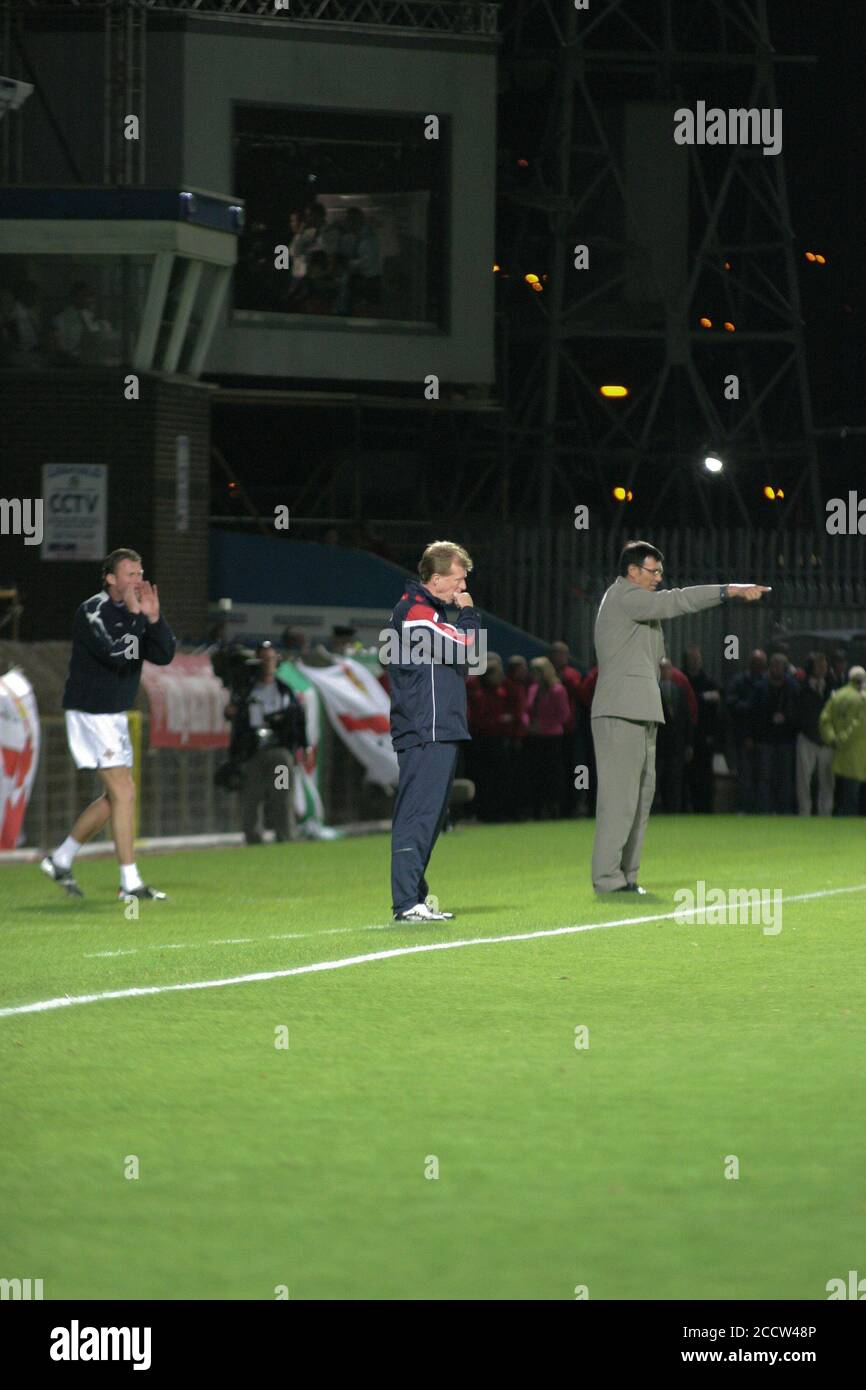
[236, 941]
[140, 991]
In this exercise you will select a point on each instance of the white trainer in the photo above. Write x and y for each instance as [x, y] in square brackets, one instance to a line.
[421, 913]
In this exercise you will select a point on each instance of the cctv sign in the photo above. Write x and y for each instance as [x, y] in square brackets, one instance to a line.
[75, 498]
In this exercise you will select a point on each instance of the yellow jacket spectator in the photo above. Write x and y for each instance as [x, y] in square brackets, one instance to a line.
[842, 725]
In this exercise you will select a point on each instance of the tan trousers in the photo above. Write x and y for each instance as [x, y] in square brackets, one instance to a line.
[625, 756]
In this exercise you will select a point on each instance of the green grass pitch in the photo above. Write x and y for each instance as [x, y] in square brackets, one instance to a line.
[309, 1167]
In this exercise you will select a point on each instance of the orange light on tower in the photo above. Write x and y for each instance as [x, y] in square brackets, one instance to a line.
[810, 255]
[531, 279]
[770, 493]
[706, 323]
[496, 268]
[729, 328]
[614, 393]
[619, 494]
[822, 260]
[523, 163]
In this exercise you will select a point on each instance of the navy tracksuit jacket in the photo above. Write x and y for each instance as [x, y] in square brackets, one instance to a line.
[427, 671]
[103, 675]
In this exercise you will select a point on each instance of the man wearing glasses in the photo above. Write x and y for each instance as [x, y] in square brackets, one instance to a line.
[627, 706]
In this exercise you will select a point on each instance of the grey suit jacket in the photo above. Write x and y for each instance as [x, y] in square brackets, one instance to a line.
[629, 645]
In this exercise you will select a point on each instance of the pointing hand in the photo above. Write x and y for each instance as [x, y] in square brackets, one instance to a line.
[749, 592]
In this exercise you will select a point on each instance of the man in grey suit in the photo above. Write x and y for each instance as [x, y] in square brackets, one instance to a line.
[627, 707]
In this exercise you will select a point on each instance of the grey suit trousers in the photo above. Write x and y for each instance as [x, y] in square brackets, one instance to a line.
[625, 756]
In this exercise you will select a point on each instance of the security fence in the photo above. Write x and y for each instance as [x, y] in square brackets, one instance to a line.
[551, 584]
[177, 793]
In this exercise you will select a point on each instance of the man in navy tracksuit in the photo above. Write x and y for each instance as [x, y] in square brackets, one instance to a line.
[115, 631]
[427, 669]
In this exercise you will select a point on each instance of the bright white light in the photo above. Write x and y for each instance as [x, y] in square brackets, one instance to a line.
[713, 463]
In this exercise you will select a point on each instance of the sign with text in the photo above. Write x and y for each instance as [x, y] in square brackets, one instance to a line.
[75, 511]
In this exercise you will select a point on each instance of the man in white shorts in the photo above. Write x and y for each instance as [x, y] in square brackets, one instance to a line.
[113, 633]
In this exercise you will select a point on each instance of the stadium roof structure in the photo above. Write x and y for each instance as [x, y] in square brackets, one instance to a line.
[458, 17]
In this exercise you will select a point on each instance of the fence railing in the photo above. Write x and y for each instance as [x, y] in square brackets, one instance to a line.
[177, 791]
[551, 585]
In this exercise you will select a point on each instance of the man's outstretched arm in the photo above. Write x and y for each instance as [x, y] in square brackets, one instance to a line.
[644, 605]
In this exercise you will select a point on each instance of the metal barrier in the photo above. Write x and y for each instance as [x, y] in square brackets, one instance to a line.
[176, 790]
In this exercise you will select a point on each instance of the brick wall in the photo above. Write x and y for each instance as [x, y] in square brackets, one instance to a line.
[81, 416]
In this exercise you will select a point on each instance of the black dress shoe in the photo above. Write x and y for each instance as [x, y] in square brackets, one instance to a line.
[631, 888]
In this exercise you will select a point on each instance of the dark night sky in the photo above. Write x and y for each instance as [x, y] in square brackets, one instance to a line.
[825, 158]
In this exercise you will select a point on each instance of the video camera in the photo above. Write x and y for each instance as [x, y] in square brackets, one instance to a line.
[238, 668]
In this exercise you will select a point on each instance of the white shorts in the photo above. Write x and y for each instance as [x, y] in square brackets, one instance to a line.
[98, 740]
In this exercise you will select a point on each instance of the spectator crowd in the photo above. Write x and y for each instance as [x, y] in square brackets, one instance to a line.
[336, 267]
[789, 740]
[35, 334]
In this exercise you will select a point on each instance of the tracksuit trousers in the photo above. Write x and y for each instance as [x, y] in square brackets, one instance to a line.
[420, 807]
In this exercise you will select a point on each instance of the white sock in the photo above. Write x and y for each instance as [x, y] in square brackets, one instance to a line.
[130, 877]
[65, 853]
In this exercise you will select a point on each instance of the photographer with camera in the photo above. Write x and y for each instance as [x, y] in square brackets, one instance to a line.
[267, 727]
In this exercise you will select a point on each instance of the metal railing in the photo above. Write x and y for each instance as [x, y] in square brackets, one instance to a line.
[177, 793]
[551, 585]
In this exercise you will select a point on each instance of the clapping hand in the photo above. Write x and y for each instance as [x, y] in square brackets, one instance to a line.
[149, 600]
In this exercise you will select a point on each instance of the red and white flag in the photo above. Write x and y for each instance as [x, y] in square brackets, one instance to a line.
[186, 703]
[360, 711]
[19, 753]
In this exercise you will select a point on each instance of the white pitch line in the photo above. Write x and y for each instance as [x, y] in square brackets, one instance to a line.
[235, 941]
[140, 991]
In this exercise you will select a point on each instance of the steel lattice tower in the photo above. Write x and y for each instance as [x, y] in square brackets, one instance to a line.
[578, 71]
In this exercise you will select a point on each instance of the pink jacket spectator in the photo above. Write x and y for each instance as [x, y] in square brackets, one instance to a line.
[550, 708]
